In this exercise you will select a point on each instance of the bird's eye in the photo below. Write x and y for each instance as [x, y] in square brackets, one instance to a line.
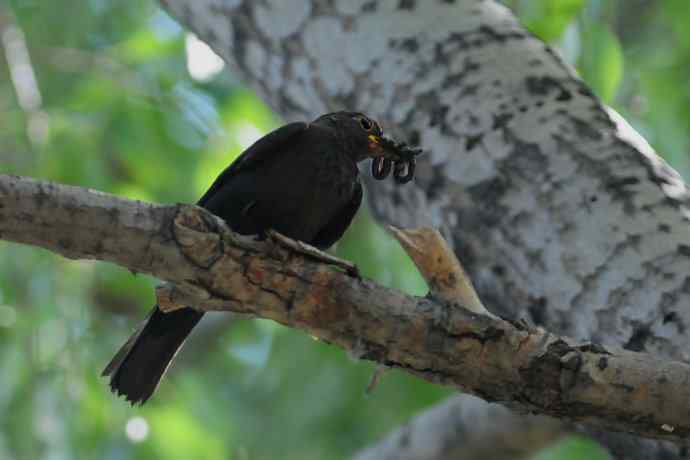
[365, 123]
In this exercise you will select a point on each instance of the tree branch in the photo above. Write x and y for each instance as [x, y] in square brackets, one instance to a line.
[216, 269]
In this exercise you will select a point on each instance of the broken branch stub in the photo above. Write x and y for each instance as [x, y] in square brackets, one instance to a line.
[443, 272]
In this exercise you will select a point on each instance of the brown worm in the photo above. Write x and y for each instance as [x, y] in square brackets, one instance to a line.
[381, 168]
[399, 172]
[403, 167]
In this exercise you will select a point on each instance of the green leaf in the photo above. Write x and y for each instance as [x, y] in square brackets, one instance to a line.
[601, 61]
[547, 19]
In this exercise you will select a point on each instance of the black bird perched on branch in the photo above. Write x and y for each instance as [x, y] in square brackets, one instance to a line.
[301, 181]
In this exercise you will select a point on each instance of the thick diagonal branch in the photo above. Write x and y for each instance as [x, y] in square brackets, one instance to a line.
[216, 269]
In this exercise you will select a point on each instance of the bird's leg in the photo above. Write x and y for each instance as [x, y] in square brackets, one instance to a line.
[314, 253]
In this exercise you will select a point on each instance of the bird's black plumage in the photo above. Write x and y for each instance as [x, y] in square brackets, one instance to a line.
[301, 180]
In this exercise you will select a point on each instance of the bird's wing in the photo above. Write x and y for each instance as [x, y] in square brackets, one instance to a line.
[262, 150]
[339, 223]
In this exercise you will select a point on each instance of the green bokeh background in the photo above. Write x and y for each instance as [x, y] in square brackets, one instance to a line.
[119, 112]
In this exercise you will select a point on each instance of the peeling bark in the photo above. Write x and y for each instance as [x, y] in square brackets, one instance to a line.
[560, 212]
[213, 268]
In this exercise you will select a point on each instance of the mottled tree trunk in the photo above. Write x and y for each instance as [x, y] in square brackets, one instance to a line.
[554, 204]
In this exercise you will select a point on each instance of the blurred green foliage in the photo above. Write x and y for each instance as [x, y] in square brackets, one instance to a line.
[115, 108]
[573, 448]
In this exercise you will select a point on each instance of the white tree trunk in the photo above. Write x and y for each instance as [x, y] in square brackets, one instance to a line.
[553, 203]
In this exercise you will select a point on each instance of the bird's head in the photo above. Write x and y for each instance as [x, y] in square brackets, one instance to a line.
[362, 138]
[361, 134]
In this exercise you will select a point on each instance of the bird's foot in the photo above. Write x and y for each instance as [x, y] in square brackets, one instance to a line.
[314, 253]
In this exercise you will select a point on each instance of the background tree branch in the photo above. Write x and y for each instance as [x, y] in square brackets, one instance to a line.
[466, 427]
[462, 427]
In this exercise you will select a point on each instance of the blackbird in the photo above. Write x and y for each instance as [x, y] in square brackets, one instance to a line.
[301, 181]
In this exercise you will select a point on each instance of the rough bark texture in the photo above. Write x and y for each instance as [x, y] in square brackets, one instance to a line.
[214, 269]
[559, 211]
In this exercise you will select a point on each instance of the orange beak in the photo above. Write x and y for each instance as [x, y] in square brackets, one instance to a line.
[375, 147]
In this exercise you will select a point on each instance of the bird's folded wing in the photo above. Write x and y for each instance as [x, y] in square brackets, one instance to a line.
[259, 152]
